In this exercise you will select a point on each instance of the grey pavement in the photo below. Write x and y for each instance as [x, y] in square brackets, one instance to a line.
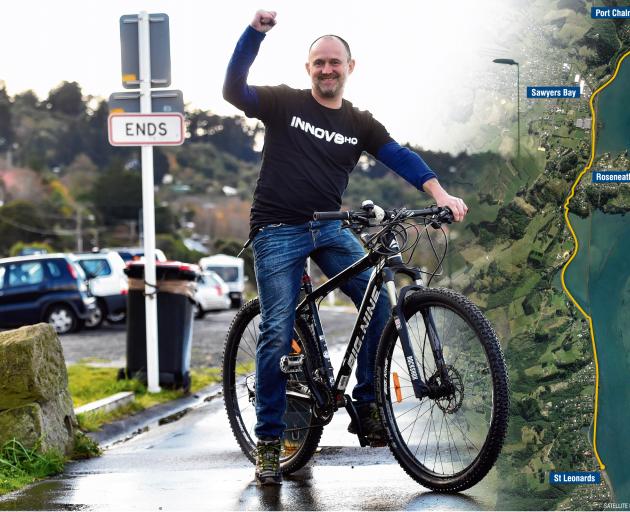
[195, 464]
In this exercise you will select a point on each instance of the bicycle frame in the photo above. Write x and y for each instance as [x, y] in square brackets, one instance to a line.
[384, 270]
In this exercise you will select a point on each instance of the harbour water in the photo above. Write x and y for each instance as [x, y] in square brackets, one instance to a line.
[614, 114]
[599, 279]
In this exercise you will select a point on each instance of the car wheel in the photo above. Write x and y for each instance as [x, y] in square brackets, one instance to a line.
[198, 311]
[117, 318]
[96, 318]
[62, 318]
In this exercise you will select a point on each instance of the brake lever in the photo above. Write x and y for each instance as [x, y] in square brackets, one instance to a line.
[444, 217]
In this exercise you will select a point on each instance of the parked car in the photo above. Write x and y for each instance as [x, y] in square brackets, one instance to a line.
[231, 270]
[108, 283]
[212, 294]
[44, 288]
[134, 253]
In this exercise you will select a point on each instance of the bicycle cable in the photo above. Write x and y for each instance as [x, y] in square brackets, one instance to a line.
[377, 242]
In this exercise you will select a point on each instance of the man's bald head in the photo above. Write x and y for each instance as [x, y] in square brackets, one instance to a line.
[333, 36]
[329, 65]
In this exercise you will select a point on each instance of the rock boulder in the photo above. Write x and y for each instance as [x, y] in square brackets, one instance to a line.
[35, 406]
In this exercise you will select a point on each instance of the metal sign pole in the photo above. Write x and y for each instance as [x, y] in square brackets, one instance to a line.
[148, 211]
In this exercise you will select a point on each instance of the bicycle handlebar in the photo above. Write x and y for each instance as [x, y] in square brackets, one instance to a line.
[331, 216]
[437, 214]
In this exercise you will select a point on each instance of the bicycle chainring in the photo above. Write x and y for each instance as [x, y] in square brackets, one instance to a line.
[324, 413]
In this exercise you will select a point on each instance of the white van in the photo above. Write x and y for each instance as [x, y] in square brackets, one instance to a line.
[230, 269]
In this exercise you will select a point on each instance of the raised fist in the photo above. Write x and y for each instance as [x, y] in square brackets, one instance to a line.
[264, 21]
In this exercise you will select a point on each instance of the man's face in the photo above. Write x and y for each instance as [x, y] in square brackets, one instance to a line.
[328, 67]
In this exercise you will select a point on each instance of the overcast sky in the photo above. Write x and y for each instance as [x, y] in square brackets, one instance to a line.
[417, 61]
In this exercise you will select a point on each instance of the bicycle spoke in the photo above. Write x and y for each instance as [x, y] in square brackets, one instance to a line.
[465, 437]
[437, 448]
[416, 419]
[428, 426]
[450, 449]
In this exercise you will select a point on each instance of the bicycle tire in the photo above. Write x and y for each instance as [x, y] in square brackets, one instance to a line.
[471, 417]
[303, 433]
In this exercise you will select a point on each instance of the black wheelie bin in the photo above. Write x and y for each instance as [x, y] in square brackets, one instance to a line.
[175, 297]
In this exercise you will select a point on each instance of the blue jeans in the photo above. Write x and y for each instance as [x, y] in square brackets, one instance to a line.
[280, 252]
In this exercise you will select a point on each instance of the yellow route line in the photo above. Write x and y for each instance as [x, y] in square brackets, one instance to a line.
[577, 247]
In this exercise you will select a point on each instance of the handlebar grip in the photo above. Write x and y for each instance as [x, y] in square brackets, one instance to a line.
[331, 216]
[447, 215]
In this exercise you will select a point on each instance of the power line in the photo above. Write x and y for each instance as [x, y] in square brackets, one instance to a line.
[24, 227]
[58, 232]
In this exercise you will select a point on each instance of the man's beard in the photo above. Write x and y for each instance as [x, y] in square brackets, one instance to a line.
[333, 91]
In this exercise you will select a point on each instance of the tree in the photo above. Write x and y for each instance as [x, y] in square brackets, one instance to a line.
[70, 142]
[236, 137]
[160, 166]
[80, 177]
[6, 132]
[26, 99]
[230, 134]
[67, 99]
[96, 144]
[21, 222]
[165, 220]
[174, 249]
[117, 195]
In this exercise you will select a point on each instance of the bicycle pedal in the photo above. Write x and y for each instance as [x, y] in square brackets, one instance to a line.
[291, 364]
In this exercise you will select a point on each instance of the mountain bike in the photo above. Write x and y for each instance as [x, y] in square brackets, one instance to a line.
[441, 380]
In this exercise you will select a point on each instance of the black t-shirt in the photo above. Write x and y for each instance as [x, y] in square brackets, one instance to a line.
[309, 153]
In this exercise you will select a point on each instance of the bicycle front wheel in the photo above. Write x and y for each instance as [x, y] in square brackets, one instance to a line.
[450, 442]
[303, 432]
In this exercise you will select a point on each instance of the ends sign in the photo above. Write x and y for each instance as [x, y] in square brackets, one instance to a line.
[146, 129]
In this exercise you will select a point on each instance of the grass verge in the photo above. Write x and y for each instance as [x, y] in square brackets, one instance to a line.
[88, 383]
[19, 466]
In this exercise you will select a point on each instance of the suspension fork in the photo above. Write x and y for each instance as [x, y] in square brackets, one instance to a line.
[436, 343]
[395, 264]
[420, 388]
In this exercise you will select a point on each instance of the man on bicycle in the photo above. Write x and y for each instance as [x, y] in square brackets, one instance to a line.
[313, 140]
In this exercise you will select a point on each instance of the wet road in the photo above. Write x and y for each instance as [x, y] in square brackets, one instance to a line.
[195, 464]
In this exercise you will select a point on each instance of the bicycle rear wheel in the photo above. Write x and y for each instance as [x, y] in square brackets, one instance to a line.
[302, 434]
[448, 443]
